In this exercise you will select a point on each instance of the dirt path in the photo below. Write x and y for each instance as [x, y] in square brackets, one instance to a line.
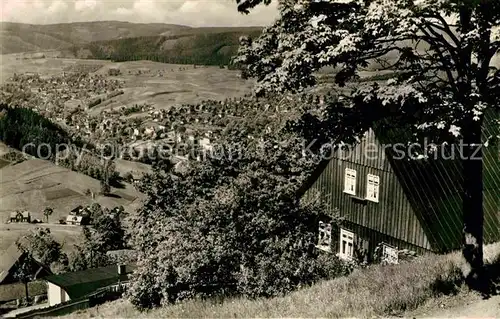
[463, 308]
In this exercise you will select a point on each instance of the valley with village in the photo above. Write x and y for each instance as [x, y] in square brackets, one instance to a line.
[143, 174]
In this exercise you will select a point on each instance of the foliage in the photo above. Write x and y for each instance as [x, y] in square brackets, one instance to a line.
[213, 48]
[42, 246]
[26, 268]
[374, 292]
[432, 45]
[232, 223]
[105, 233]
[26, 130]
[47, 212]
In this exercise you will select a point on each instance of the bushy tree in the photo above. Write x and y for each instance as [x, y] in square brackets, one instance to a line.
[443, 82]
[25, 271]
[47, 212]
[231, 224]
[106, 233]
[42, 246]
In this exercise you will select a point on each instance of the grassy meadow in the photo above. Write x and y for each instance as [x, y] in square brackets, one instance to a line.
[377, 291]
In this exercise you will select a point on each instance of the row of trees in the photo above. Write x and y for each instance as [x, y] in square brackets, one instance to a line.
[24, 129]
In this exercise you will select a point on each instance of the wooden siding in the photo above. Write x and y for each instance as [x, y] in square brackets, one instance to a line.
[491, 179]
[420, 201]
[392, 218]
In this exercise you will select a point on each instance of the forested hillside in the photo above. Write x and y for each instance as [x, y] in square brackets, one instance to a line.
[206, 48]
[124, 41]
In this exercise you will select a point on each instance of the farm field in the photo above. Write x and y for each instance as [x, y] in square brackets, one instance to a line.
[35, 184]
[161, 85]
[67, 235]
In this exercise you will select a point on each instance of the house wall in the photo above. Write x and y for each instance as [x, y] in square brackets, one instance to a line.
[491, 179]
[391, 220]
[56, 294]
[420, 205]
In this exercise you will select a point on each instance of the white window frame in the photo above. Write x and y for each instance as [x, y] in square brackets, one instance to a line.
[373, 188]
[346, 249]
[350, 181]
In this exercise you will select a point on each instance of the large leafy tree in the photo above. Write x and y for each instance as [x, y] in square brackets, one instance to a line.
[106, 233]
[42, 246]
[441, 53]
[233, 223]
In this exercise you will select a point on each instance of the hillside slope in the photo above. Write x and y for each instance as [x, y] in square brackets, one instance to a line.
[124, 41]
[35, 184]
[422, 288]
[20, 37]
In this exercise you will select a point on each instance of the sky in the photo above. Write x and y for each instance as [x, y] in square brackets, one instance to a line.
[186, 12]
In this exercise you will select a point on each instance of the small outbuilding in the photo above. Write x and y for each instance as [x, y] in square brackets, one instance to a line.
[73, 285]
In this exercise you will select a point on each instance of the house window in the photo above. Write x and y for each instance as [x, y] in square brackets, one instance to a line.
[372, 188]
[346, 244]
[350, 181]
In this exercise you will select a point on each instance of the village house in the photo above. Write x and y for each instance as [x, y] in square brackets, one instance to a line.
[20, 217]
[392, 204]
[78, 216]
[74, 285]
[76, 220]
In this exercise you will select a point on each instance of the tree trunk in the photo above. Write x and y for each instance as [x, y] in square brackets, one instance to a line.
[26, 291]
[473, 202]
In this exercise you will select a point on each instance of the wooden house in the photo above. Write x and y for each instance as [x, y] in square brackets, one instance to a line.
[77, 220]
[396, 203]
[20, 217]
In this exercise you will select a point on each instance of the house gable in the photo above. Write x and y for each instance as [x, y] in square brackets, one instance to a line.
[392, 218]
[420, 201]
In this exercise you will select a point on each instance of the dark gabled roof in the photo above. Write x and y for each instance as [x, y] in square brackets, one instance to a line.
[8, 259]
[80, 283]
[434, 189]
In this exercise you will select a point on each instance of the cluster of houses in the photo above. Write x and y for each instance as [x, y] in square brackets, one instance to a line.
[48, 95]
[78, 216]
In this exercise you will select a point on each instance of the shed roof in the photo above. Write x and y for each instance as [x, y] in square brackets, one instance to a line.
[8, 259]
[80, 283]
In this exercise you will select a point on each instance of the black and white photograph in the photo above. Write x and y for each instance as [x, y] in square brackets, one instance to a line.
[249, 159]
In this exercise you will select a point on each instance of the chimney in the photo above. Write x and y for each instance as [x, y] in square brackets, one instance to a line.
[121, 269]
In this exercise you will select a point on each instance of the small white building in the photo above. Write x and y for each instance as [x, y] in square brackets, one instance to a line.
[74, 285]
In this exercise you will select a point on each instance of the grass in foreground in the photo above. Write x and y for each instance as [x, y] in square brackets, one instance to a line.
[375, 291]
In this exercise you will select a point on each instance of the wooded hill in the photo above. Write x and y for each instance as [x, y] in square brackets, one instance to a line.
[124, 41]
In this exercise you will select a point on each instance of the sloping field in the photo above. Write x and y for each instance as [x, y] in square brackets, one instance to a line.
[135, 168]
[159, 84]
[66, 235]
[35, 184]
